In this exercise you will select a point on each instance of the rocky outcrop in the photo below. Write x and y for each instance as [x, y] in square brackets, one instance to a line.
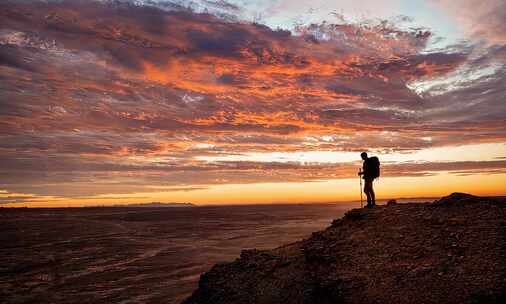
[449, 251]
[391, 202]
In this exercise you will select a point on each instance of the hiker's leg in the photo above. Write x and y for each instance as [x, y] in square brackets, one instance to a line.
[373, 195]
[367, 191]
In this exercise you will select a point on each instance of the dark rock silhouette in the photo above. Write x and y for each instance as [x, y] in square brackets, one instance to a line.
[391, 202]
[460, 198]
[449, 251]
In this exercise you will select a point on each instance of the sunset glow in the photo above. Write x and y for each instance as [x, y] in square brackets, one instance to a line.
[226, 102]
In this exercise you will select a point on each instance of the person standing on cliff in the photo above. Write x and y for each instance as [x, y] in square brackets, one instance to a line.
[370, 171]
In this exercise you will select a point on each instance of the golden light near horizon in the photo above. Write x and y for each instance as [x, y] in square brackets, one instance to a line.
[198, 106]
[328, 191]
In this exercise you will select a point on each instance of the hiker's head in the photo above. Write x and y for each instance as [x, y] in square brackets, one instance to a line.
[363, 155]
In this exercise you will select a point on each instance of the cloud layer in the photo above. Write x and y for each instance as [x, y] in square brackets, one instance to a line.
[112, 97]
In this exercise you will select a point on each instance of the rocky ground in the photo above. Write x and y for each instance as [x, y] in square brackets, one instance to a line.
[449, 251]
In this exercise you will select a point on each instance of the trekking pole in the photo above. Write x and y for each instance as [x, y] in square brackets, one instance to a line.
[360, 178]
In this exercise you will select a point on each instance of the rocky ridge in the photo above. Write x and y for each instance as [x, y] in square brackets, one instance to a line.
[450, 251]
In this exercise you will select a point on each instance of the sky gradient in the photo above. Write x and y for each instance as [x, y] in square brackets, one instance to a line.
[107, 102]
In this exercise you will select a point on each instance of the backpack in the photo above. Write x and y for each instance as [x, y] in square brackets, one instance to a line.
[374, 164]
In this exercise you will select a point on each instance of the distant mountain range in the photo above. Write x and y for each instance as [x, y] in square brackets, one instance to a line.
[157, 204]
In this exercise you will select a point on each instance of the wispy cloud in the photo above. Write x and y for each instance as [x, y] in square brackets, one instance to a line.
[485, 20]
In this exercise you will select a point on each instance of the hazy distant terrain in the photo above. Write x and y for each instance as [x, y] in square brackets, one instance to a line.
[153, 205]
[137, 255]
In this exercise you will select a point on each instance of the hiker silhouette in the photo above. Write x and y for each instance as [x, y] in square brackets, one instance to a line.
[370, 171]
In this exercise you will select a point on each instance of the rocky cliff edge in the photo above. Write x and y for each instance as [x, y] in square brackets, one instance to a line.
[450, 251]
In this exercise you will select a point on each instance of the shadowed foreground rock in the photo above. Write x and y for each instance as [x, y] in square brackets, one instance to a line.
[450, 251]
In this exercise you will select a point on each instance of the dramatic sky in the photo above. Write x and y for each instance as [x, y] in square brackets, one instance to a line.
[235, 101]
